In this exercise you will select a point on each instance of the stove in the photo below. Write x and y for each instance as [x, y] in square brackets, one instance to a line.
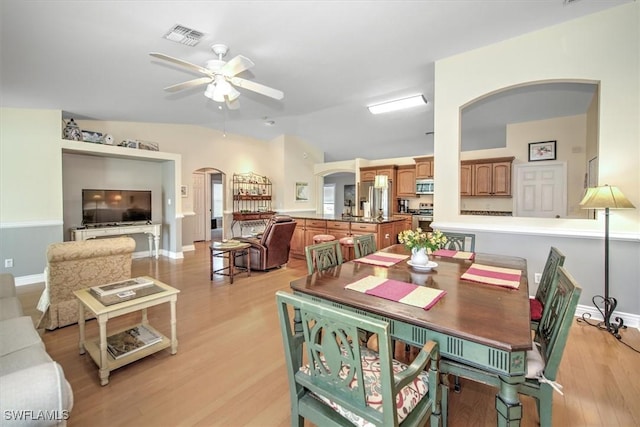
[423, 217]
[425, 209]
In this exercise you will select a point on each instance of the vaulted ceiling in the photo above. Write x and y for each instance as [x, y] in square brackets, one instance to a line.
[330, 58]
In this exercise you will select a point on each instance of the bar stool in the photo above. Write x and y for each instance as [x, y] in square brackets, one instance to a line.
[322, 238]
[347, 248]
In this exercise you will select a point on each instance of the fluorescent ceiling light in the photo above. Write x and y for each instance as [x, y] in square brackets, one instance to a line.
[398, 104]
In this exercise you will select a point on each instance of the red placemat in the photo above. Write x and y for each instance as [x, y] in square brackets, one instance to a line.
[454, 254]
[490, 275]
[395, 290]
[383, 259]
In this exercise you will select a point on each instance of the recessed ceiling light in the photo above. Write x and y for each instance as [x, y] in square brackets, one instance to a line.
[184, 35]
[398, 104]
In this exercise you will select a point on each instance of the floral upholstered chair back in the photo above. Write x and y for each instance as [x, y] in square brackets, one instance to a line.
[78, 265]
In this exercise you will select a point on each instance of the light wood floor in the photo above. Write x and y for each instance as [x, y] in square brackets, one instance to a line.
[229, 369]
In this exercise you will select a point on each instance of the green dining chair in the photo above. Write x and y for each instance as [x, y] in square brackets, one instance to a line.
[460, 241]
[364, 245]
[334, 381]
[555, 259]
[322, 256]
[543, 361]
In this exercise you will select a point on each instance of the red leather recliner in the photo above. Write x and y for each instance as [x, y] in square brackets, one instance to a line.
[271, 250]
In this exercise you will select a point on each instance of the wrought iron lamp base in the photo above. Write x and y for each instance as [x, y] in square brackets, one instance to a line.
[609, 304]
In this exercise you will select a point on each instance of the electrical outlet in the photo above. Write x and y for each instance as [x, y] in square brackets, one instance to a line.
[8, 263]
[537, 277]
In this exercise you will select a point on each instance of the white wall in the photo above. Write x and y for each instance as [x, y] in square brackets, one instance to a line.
[603, 47]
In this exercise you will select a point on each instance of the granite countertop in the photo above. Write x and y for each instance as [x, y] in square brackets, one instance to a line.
[489, 213]
[340, 218]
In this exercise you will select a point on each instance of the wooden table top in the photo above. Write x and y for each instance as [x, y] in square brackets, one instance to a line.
[489, 315]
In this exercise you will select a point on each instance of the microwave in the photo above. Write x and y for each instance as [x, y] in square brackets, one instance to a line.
[424, 186]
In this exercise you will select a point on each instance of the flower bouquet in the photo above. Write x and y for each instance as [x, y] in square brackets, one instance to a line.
[431, 240]
[421, 242]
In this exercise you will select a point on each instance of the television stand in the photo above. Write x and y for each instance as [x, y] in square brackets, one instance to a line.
[151, 230]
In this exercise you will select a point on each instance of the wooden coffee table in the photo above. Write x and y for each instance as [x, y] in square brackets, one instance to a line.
[229, 250]
[98, 348]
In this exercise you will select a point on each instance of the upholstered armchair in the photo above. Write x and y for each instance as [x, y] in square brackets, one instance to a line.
[271, 250]
[78, 265]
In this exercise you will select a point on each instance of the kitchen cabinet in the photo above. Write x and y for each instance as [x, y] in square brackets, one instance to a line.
[313, 227]
[303, 235]
[466, 182]
[339, 229]
[406, 181]
[386, 237]
[488, 177]
[424, 167]
[404, 224]
[296, 248]
[386, 232]
[369, 173]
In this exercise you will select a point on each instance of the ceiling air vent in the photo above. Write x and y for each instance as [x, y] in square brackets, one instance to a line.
[184, 35]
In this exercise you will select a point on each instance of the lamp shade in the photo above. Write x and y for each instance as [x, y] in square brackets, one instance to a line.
[605, 197]
[381, 181]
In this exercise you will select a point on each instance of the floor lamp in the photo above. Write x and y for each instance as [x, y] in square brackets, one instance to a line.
[606, 197]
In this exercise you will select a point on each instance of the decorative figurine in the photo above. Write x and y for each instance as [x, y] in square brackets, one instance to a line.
[72, 131]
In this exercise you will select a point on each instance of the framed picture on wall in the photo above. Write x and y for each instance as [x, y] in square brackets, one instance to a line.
[545, 150]
[184, 191]
[302, 191]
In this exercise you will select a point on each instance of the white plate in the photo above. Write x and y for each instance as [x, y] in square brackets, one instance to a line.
[427, 267]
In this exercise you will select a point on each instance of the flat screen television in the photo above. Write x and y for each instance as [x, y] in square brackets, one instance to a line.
[115, 206]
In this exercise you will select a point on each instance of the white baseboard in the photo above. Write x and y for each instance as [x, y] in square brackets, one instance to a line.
[29, 280]
[628, 319]
[188, 248]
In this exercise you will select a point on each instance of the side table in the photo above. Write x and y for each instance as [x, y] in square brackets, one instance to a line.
[229, 250]
[97, 349]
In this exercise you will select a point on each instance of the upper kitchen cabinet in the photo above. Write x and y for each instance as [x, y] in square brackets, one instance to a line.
[369, 173]
[424, 167]
[406, 181]
[489, 177]
[466, 181]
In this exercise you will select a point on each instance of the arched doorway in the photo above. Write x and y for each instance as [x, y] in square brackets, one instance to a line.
[209, 188]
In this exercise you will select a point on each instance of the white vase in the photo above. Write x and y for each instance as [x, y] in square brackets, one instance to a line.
[419, 256]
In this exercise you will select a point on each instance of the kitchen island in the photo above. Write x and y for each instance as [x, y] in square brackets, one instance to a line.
[308, 225]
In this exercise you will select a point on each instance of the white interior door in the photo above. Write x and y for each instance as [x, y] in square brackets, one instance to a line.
[199, 206]
[541, 189]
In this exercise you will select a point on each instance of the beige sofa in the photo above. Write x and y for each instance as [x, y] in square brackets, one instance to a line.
[78, 265]
[33, 388]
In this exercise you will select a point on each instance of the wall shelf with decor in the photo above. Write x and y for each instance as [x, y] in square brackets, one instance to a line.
[252, 194]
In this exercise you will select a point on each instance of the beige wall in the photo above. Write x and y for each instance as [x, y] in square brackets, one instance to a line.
[30, 158]
[601, 47]
[570, 136]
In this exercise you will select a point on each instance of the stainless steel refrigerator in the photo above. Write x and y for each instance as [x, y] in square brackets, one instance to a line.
[378, 199]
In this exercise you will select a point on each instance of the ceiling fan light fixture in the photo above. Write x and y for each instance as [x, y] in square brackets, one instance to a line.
[210, 91]
[233, 94]
[398, 104]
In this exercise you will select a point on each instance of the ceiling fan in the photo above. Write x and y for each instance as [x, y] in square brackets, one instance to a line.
[220, 77]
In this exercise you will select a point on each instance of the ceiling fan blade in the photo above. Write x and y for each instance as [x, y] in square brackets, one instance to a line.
[181, 62]
[236, 65]
[191, 83]
[257, 87]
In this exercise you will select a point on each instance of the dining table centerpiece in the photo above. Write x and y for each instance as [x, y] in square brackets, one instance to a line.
[421, 243]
